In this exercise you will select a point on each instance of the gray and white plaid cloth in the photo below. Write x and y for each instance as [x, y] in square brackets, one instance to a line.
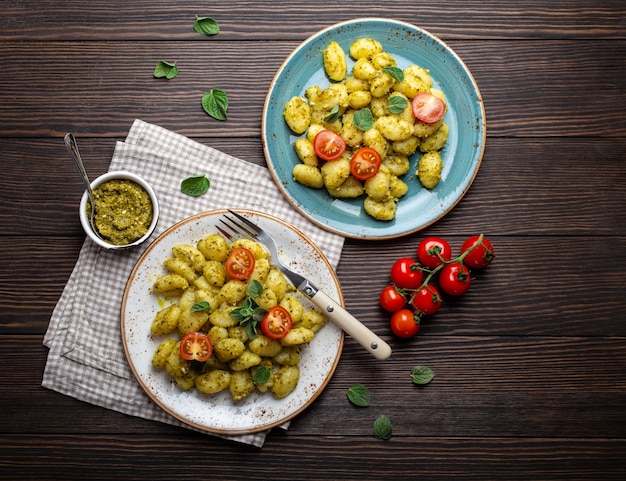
[86, 358]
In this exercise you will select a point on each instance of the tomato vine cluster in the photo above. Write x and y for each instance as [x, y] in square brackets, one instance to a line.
[413, 293]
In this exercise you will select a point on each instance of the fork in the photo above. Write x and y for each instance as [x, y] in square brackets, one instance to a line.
[238, 225]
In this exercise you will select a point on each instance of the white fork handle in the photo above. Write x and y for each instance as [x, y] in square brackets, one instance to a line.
[346, 321]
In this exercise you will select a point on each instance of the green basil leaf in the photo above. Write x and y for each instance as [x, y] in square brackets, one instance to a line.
[165, 69]
[421, 375]
[382, 427]
[397, 104]
[333, 115]
[200, 306]
[261, 375]
[215, 103]
[206, 26]
[363, 119]
[195, 186]
[359, 395]
[255, 289]
[395, 72]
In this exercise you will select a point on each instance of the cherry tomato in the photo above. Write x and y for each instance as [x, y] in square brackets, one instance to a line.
[196, 346]
[428, 108]
[433, 251]
[276, 323]
[391, 299]
[481, 256]
[404, 324]
[240, 263]
[328, 145]
[427, 300]
[365, 163]
[454, 279]
[406, 273]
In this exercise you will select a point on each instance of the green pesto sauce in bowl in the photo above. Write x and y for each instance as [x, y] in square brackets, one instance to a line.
[123, 211]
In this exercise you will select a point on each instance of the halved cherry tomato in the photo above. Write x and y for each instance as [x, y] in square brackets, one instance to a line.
[455, 279]
[428, 108]
[404, 324]
[365, 163]
[329, 145]
[240, 263]
[427, 300]
[276, 323]
[391, 299]
[406, 273]
[433, 251]
[196, 346]
[481, 255]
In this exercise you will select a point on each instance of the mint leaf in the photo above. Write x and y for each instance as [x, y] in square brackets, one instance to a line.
[215, 103]
[261, 375]
[255, 289]
[421, 375]
[359, 395]
[382, 427]
[195, 186]
[249, 314]
[397, 104]
[200, 306]
[244, 312]
[206, 26]
[258, 314]
[165, 69]
[395, 72]
[333, 115]
[363, 119]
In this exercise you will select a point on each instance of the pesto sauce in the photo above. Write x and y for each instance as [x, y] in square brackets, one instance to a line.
[123, 211]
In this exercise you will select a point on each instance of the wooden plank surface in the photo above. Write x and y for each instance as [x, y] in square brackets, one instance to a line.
[529, 364]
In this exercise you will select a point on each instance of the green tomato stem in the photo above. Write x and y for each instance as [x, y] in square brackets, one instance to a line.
[431, 273]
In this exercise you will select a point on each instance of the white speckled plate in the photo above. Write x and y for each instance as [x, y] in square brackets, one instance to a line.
[218, 413]
[462, 154]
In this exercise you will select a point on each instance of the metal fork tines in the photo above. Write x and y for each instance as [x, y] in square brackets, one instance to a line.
[239, 226]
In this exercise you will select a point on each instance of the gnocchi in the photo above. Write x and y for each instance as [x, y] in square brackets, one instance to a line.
[195, 276]
[373, 85]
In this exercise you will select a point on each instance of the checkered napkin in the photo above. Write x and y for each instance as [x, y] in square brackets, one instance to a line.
[86, 358]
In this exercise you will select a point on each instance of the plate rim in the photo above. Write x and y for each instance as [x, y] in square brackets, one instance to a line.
[172, 412]
[320, 222]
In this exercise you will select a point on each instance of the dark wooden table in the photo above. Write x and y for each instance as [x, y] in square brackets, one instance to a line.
[530, 365]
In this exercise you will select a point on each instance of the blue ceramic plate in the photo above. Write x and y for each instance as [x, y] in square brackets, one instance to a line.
[462, 154]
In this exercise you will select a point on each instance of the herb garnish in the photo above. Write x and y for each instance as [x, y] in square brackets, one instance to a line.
[206, 26]
[261, 375]
[165, 69]
[215, 103]
[333, 115]
[363, 119]
[382, 427]
[422, 375]
[195, 186]
[200, 306]
[250, 313]
[397, 104]
[395, 72]
[359, 395]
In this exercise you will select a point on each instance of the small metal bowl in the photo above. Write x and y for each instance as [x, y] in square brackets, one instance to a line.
[118, 175]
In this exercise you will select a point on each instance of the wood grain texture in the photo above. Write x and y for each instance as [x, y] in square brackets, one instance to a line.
[529, 364]
[70, 457]
[249, 20]
[529, 90]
